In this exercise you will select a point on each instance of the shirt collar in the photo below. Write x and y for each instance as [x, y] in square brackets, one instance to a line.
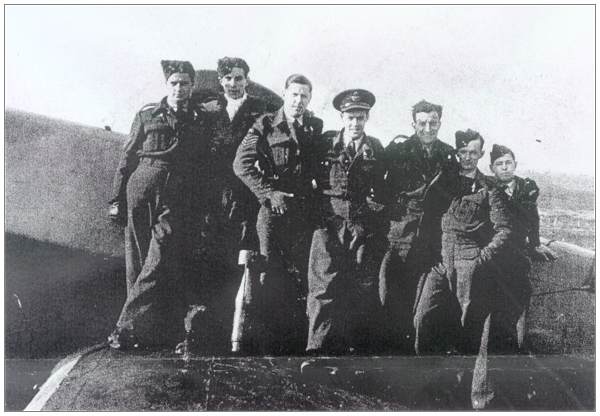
[432, 146]
[183, 107]
[165, 107]
[510, 187]
[471, 175]
[233, 105]
[162, 106]
[292, 120]
[236, 101]
[357, 142]
[279, 117]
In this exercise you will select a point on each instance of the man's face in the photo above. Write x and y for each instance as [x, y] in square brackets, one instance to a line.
[354, 122]
[504, 168]
[234, 84]
[426, 126]
[295, 99]
[179, 87]
[469, 155]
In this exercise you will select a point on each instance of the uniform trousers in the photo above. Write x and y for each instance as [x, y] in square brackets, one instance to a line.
[284, 245]
[343, 305]
[470, 307]
[155, 248]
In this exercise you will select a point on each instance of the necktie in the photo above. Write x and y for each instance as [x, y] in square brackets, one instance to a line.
[295, 145]
[298, 131]
[351, 148]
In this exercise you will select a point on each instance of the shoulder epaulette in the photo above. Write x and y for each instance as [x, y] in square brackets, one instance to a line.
[400, 138]
[266, 118]
[315, 122]
[262, 123]
[330, 134]
[376, 141]
[150, 106]
[491, 181]
[530, 182]
[530, 188]
[448, 148]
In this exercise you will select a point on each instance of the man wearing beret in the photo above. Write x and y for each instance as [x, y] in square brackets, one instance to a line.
[422, 173]
[462, 295]
[157, 183]
[276, 161]
[230, 226]
[522, 196]
[342, 301]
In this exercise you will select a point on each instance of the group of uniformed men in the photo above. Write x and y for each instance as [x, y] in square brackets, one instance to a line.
[408, 246]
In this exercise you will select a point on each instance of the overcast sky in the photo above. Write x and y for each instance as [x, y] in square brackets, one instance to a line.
[521, 75]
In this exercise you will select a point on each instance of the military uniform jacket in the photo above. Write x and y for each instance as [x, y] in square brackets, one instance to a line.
[226, 136]
[479, 220]
[523, 204]
[175, 142]
[273, 156]
[420, 189]
[351, 180]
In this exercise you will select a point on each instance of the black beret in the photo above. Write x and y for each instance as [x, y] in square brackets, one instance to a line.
[226, 64]
[354, 99]
[173, 67]
[464, 137]
[498, 151]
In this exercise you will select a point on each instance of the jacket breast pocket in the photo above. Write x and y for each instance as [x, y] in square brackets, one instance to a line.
[280, 152]
[158, 137]
[469, 208]
[280, 145]
[338, 179]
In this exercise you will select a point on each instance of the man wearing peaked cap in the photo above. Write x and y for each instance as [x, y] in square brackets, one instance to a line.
[342, 301]
[354, 99]
[422, 173]
[157, 184]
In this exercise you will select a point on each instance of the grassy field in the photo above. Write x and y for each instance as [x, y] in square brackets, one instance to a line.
[567, 208]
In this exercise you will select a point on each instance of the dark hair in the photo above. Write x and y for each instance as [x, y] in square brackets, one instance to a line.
[226, 64]
[298, 79]
[426, 107]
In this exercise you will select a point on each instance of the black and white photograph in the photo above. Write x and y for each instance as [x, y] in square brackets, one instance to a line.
[299, 207]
